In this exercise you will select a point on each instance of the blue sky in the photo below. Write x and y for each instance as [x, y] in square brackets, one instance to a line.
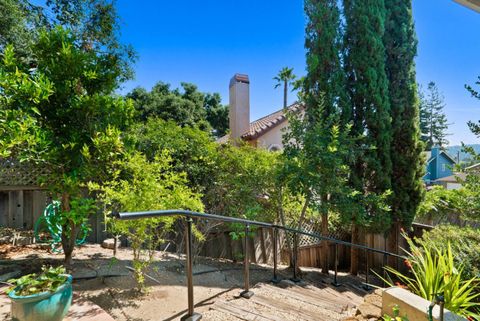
[206, 42]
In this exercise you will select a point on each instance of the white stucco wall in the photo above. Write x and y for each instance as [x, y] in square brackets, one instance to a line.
[453, 185]
[273, 137]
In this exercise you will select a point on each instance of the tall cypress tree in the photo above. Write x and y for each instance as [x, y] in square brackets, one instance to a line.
[406, 149]
[325, 79]
[370, 106]
[324, 84]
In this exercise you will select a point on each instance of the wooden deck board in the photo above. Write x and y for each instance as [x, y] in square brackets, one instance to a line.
[291, 302]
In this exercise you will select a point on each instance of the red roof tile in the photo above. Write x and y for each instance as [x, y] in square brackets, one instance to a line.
[264, 124]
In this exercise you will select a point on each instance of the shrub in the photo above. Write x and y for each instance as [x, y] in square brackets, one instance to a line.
[141, 185]
[49, 280]
[465, 243]
[433, 271]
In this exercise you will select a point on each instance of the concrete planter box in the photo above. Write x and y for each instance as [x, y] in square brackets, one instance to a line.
[412, 306]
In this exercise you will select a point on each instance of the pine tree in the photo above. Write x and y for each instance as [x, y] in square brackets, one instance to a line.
[406, 149]
[474, 126]
[370, 108]
[433, 121]
[323, 86]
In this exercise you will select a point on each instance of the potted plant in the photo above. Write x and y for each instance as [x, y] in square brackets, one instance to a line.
[44, 296]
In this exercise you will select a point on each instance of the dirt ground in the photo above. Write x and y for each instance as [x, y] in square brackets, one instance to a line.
[108, 282]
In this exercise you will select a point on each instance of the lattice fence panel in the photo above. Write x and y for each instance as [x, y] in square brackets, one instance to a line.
[316, 228]
[15, 173]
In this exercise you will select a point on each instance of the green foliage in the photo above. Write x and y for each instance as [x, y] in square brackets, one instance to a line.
[186, 107]
[441, 204]
[406, 147]
[217, 114]
[474, 127]
[140, 185]
[244, 183]
[66, 109]
[325, 80]
[396, 315]
[315, 156]
[464, 241]
[435, 272]
[192, 150]
[433, 121]
[367, 84]
[13, 27]
[93, 22]
[49, 280]
[20, 97]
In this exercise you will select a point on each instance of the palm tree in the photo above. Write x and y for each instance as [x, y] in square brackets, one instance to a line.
[285, 77]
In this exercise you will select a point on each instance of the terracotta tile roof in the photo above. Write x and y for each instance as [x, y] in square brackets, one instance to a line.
[264, 124]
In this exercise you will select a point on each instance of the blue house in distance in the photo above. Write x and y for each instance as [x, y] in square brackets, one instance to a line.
[439, 165]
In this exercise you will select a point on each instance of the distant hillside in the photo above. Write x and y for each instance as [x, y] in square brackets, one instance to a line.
[464, 157]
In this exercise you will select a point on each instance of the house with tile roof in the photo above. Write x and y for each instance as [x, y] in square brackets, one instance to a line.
[265, 132]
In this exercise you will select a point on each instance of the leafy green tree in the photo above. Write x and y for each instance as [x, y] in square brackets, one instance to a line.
[367, 85]
[14, 27]
[284, 78]
[406, 147]
[186, 107]
[244, 184]
[315, 165]
[319, 142]
[94, 24]
[217, 114]
[76, 122]
[140, 185]
[192, 150]
[433, 121]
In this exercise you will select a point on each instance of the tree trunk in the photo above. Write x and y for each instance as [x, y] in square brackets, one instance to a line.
[354, 251]
[393, 244]
[281, 213]
[304, 211]
[68, 239]
[299, 226]
[285, 90]
[325, 245]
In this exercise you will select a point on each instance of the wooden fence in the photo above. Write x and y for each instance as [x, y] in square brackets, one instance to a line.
[221, 245]
[21, 207]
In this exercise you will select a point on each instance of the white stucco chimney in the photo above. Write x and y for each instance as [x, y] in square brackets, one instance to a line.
[239, 112]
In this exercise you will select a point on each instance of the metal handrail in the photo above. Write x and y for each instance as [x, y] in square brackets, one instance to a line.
[193, 316]
[160, 213]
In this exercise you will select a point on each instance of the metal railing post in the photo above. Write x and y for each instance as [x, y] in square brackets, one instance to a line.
[335, 282]
[246, 293]
[367, 268]
[191, 315]
[295, 257]
[384, 270]
[275, 279]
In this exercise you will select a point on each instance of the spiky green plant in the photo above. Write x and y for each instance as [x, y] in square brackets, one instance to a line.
[432, 272]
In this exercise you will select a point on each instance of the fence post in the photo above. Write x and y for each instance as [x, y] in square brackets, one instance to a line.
[295, 257]
[335, 282]
[275, 279]
[191, 315]
[366, 286]
[246, 293]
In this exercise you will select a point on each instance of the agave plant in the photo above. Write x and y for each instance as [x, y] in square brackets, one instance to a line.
[433, 272]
